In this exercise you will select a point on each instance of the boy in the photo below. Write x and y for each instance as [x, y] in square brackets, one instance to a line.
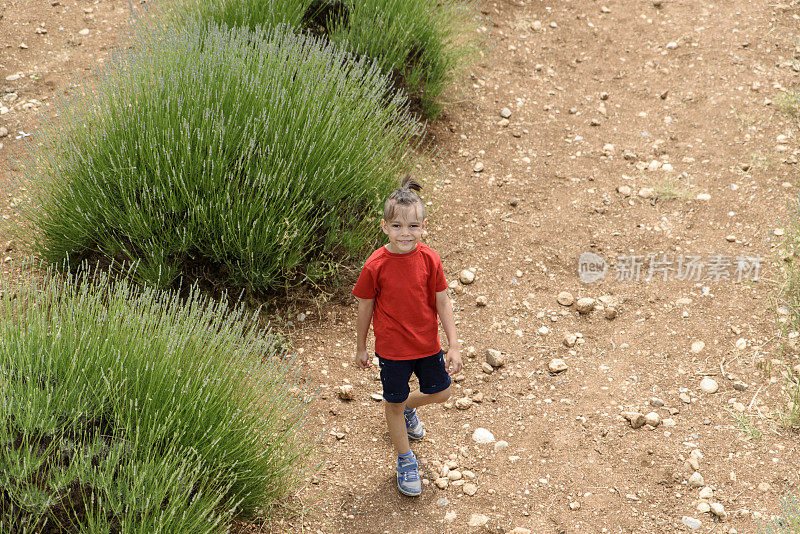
[402, 289]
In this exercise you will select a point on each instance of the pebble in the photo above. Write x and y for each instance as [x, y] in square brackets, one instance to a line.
[477, 520]
[610, 312]
[519, 530]
[636, 419]
[739, 407]
[709, 385]
[557, 365]
[464, 403]
[672, 45]
[565, 298]
[652, 419]
[13, 77]
[466, 276]
[683, 301]
[585, 305]
[500, 445]
[624, 190]
[478, 167]
[703, 507]
[454, 475]
[3, 131]
[483, 436]
[706, 493]
[655, 401]
[450, 516]
[718, 510]
[442, 483]
[730, 238]
[741, 344]
[543, 331]
[570, 339]
[481, 301]
[575, 505]
[696, 480]
[698, 346]
[646, 192]
[764, 486]
[346, 392]
[505, 113]
[779, 232]
[691, 522]
[470, 488]
[376, 397]
[685, 398]
[703, 196]
[486, 368]
[84, 31]
[495, 358]
[668, 422]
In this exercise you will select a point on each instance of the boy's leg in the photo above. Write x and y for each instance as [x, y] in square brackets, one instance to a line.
[417, 398]
[434, 382]
[397, 426]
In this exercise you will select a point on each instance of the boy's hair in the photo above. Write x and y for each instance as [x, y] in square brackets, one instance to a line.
[405, 196]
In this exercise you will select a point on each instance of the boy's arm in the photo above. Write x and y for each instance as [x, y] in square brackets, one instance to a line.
[445, 310]
[365, 307]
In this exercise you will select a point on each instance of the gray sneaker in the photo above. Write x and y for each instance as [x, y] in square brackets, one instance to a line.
[413, 425]
[408, 481]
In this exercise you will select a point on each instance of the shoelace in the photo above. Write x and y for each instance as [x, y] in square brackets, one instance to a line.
[411, 418]
[408, 470]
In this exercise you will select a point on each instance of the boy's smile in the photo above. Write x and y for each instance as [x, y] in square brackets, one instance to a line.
[404, 231]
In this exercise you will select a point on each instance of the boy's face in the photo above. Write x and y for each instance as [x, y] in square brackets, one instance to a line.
[405, 230]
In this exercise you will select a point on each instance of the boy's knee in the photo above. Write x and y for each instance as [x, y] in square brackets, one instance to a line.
[393, 407]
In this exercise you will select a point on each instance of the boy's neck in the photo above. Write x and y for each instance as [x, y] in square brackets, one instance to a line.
[388, 247]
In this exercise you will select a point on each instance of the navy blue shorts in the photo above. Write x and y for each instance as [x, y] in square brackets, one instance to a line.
[395, 375]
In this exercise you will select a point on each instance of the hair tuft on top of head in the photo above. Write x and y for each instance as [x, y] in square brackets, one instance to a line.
[404, 197]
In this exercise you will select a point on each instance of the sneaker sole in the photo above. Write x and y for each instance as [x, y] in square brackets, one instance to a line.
[407, 494]
[416, 438]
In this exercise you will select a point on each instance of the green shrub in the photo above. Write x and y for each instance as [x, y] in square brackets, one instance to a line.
[125, 409]
[246, 158]
[787, 521]
[421, 44]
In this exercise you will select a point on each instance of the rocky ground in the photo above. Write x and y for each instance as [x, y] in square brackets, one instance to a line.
[649, 133]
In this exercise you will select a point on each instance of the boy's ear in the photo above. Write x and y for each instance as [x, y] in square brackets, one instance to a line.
[383, 227]
[424, 223]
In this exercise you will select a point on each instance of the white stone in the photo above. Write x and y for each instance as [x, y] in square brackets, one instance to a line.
[718, 510]
[565, 298]
[696, 480]
[346, 392]
[691, 522]
[698, 346]
[495, 358]
[505, 113]
[709, 385]
[482, 436]
[585, 305]
[570, 339]
[477, 520]
[741, 344]
[470, 488]
[501, 445]
[557, 365]
[703, 196]
[706, 493]
[652, 419]
[84, 31]
[466, 276]
[478, 167]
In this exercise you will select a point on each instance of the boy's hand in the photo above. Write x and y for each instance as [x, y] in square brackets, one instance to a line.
[453, 362]
[363, 361]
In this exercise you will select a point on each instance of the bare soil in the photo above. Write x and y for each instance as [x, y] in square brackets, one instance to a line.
[692, 84]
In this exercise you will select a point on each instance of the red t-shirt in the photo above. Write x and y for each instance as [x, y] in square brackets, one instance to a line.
[404, 287]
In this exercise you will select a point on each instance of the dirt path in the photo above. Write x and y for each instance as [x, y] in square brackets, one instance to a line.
[597, 92]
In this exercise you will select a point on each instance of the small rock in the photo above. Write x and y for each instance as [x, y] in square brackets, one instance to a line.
[764, 486]
[741, 344]
[570, 339]
[703, 196]
[450, 516]
[696, 480]
[636, 419]
[610, 312]
[730, 238]
[84, 31]
[683, 301]
[486, 368]
[557, 365]
[483, 436]
[513, 202]
[668, 422]
[585, 305]
[624, 190]
[495, 358]
[646, 192]
[655, 401]
[346, 392]
[478, 167]
[543, 331]
[575, 505]
[481, 301]
[3, 131]
[565, 298]
[739, 407]
[454, 475]
[470, 488]
[466, 276]
[500, 445]
[684, 397]
[505, 113]
[652, 419]
[698, 346]
[706, 493]
[691, 522]
[519, 530]
[709, 385]
[672, 45]
[442, 483]
[376, 397]
[13, 77]
[464, 403]
[477, 520]
[703, 507]
[718, 510]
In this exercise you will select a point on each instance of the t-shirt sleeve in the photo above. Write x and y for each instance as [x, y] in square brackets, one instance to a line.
[441, 283]
[367, 286]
